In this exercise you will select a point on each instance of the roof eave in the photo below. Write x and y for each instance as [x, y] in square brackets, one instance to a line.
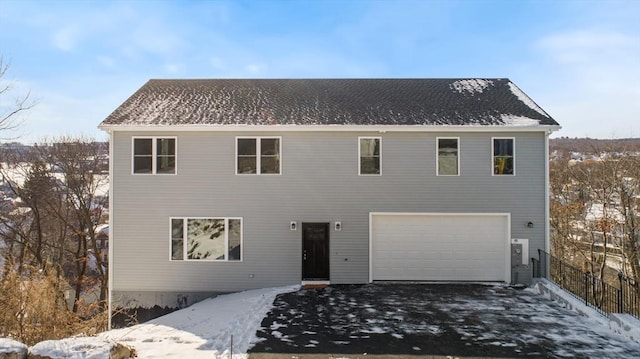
[329, 128]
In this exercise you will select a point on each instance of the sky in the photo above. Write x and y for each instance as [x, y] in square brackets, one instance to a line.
[79, 60]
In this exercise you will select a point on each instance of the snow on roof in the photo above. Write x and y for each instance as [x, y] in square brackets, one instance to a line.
[512, 120]
[312, 102]
[598, 211]
[102, 229]
[526, 99]
[471, 85]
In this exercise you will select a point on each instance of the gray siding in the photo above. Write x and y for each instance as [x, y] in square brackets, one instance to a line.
[319, 183]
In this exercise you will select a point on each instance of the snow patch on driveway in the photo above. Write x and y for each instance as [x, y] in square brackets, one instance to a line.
[493, 320]
[623, 324]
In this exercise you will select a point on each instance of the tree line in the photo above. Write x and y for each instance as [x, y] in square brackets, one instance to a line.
[54, 198]
[594, 209]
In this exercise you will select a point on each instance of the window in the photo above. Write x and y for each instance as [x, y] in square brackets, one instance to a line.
[154, 155]
[258, 155]
[212, 239]
[369, 153]
[503, 156]
[448, 163]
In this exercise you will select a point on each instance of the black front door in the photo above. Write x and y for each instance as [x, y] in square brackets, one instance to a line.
[315, 251]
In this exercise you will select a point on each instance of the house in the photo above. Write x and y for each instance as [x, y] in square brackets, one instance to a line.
[227, 185]
[102, 239]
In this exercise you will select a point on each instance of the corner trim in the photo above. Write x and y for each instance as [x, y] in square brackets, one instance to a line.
[111, 231]
[547, 215]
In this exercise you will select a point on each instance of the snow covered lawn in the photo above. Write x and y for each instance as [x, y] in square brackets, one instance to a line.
[79, 347]
[203, 330]
[9, 346]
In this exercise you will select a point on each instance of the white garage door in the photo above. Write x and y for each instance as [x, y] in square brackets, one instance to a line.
[439, 247]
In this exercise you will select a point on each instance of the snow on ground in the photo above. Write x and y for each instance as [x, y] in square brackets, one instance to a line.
[206, 329]
[203, 330]
[548, 324]
[81, 347]
[11, 346]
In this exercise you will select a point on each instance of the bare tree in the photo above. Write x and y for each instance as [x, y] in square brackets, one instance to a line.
[30, 228]
[594, 212]
[60, 199]
[9, 113]
[567, 208]
[80, 165]
[629, 208]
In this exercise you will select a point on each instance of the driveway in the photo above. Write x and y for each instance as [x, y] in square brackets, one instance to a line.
[460, 320]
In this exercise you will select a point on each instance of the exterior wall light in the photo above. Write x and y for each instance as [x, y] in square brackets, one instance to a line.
[337, 226]
[293, 225]
[529, 224]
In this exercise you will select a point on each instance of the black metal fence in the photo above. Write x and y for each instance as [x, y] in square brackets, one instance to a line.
[621, 297]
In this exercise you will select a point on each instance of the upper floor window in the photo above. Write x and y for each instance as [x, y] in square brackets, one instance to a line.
[448, 163]
[503, 156]
[369, 154]
[258, 155]
[213, 239]
[154, 155]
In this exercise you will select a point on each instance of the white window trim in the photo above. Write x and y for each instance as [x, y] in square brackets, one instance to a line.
[154, 155]
[258, 155]
[514, 156]
[359, 155]
[438, 155]
[226, 240]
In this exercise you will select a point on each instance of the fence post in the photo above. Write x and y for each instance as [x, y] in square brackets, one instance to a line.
[586, 287]
[540, 265]
[620, 294]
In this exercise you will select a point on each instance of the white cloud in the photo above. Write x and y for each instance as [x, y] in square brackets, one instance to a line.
[217, 63]
[174, 69]
[66, 39]
[580, 50]
[106, 61]
[255, 69]
[156, 38]
[589, 81]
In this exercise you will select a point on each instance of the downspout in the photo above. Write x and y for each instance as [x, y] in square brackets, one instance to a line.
[111, 231]
[547, 219]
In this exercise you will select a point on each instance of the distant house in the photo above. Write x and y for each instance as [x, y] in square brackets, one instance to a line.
[227, 185]
[102, 239]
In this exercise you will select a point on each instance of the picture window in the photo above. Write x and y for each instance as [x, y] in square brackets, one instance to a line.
[212, 239]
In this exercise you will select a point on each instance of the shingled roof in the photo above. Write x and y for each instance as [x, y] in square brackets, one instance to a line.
[455, 102]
